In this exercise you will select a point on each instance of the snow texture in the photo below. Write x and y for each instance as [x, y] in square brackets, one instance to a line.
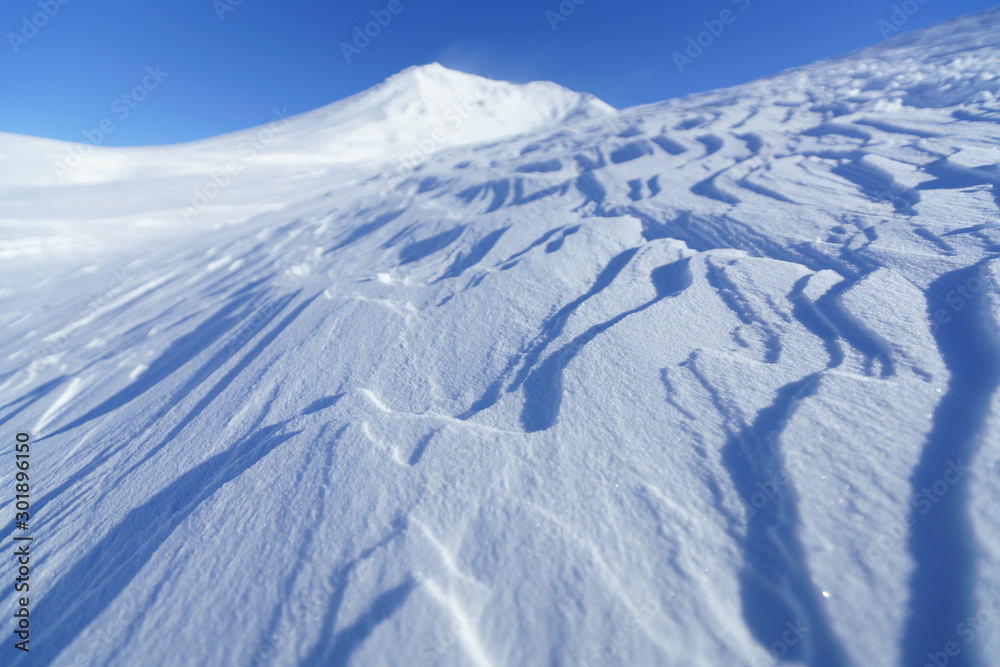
[461, 372]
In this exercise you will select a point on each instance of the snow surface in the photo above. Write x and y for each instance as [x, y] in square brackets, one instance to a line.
[569, 387]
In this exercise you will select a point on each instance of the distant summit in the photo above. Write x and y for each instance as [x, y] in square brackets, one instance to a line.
[429, 107]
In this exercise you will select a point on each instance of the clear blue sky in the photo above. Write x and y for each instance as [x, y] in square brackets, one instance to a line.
[229, 73]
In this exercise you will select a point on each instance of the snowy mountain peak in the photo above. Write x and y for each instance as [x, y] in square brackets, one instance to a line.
[431, 81]
[431, 72]
[430, 107]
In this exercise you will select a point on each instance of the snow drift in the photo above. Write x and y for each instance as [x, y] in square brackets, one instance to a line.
[705, 382]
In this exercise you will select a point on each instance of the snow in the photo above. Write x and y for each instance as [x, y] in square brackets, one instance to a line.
[711, 381]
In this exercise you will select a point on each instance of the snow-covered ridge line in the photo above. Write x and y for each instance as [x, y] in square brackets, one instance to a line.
[423, 108]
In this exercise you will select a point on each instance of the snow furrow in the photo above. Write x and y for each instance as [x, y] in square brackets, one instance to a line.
[941, 540]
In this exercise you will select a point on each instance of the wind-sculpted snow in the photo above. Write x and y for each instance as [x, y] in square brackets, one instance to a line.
[712, 381]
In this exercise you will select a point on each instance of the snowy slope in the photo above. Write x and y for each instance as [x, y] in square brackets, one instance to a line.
[705, 382]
